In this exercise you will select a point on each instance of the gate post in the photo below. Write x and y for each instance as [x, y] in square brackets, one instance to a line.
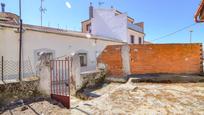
[75, 81]
[44, 75]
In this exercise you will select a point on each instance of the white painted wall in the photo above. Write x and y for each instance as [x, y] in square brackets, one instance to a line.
[9, 44]
[105, 23]
[62, 45]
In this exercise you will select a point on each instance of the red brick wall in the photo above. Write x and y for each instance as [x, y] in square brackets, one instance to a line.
[111, 56]
[155, 58]
[165, 58]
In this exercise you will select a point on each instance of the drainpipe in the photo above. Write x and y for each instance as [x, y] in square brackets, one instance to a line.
[20, 42]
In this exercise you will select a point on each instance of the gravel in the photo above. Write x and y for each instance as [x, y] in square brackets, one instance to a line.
[129, 98]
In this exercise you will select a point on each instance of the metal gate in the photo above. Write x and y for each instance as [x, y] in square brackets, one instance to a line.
[59, 80]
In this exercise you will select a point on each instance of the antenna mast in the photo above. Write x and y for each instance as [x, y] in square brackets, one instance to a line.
[100, 3]
[42, 10]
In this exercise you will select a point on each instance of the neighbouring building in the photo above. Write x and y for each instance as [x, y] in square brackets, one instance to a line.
[199, 16]
[41, 44]
[113, 24]
[147, 42]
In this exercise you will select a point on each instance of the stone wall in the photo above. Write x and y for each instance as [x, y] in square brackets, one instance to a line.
[92, 78]
[20, 90]
[90, 81]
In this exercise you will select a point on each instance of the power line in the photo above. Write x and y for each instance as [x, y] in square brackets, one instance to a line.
[186, 27]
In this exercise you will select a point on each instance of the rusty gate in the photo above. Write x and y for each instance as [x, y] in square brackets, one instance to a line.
[59, 80]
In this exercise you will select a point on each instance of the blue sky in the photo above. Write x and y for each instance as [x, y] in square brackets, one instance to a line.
[161, 17]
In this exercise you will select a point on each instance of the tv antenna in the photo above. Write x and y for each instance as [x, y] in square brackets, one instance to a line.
[42, 11]
[101, 3]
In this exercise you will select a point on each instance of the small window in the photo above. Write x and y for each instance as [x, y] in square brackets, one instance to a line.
[83, 59]
[132, 38]
[140, 40]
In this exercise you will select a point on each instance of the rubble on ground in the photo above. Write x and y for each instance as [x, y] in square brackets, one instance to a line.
[128, 98]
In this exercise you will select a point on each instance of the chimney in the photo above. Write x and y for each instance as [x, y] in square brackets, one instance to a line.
[90, 11]
[141, 24]
[2, 7]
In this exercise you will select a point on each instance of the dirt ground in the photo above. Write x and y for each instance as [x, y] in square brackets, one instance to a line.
[129, 98]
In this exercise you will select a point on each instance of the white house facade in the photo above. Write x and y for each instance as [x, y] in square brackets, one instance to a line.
[41, 44]
[113, 24]
[105, 23]
[48, 43]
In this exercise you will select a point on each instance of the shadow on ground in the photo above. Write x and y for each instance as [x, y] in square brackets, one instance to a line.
[27, 105]
[166, 78]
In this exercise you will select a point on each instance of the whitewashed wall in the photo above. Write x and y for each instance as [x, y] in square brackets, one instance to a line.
[61, 45]
[136, 35]
[105, 23]
[9, 44]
